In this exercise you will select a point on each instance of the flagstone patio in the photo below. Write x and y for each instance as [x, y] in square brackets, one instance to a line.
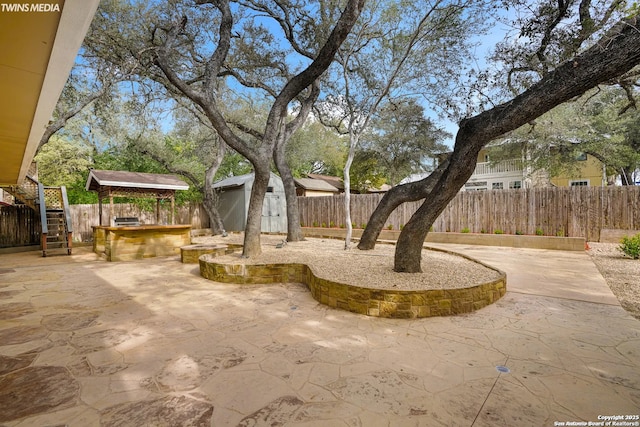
[84, 342]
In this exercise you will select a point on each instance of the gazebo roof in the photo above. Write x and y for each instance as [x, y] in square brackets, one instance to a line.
[140, 181]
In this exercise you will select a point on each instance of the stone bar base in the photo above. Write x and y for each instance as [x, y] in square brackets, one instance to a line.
[147, 241]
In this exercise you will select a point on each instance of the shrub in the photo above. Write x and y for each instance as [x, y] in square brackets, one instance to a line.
[402, 227]
[482, 230]
[519, 233]
[315, 223]
[465, 230]
[341, 225]
[560, 232]
[498, 231]
[630, 246]
[363, 225]
[390, 227]
[332, 224]
[539, 232]
[324, 225]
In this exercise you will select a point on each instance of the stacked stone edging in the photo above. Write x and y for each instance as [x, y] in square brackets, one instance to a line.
[356, 299]
[506, 240]
[191, 253]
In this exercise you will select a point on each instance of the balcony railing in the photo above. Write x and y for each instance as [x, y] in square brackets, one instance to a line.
[494, 168]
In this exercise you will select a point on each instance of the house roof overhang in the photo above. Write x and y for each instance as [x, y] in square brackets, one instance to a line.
[38, 46]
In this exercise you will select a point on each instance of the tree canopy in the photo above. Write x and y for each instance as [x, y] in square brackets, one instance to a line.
[195, 52]
[563, 50]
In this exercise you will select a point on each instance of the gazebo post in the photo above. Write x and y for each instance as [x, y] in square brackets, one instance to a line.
[111, 210]
[158, 210]
[173, 210]
[100, 207]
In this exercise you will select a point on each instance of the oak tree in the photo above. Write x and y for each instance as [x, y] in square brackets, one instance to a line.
[563, 49]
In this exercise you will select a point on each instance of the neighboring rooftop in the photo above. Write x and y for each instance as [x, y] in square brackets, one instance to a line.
[315, 185]
[335, 181]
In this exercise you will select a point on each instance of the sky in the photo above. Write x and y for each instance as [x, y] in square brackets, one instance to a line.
[485, 43]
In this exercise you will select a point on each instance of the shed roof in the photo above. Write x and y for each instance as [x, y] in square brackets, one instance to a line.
[234, 181]
[240, 180]
[141, 180]
[315, 184]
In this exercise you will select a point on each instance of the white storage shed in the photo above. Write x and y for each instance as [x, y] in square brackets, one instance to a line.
[233, 203]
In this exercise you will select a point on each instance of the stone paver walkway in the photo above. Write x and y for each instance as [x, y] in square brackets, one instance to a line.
[148, 343]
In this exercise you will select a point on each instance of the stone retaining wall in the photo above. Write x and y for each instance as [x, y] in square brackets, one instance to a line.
[371, 302]
[508, 240]
[190, 254]
[608, 235]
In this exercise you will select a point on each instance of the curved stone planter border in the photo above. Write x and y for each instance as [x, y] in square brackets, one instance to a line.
[191, 253]
[371, 302]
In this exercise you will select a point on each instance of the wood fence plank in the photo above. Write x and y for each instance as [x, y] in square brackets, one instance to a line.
[572, 212]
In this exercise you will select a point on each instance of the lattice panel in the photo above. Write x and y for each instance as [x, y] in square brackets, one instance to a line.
[28, 189]
[53, 198]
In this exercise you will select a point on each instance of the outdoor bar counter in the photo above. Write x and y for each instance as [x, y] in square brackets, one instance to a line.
[125, 243]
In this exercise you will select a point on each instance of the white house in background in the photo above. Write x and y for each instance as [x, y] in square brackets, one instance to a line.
[507, 174]
[513, 174]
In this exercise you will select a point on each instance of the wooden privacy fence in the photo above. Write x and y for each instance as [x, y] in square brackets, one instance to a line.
[19, 226]
[571, 212]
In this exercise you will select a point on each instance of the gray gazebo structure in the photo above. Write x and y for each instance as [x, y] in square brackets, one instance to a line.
[110, 184]
[233, 203]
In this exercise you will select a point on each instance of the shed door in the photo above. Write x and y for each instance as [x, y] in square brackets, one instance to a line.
[273, 214]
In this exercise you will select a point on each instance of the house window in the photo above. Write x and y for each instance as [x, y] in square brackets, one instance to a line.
[486, 158]
[269, 189]
[579, 183]
[497, 186]
[515, 184]
[475, 186]
[581, 157]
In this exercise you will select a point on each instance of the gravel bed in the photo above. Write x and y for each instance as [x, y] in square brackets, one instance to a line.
[621, 273]
[370, 269]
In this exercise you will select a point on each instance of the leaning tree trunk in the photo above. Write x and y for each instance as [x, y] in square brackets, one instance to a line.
[615, 54]
[294, 230]
[408, 254]
[393, 198]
